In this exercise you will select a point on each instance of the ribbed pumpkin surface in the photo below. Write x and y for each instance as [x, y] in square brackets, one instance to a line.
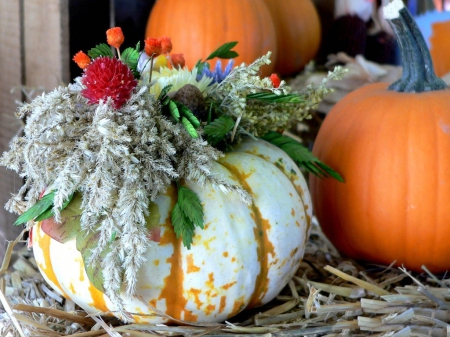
[298, 29]
[243, 258]
[393, 150]
[199, 27]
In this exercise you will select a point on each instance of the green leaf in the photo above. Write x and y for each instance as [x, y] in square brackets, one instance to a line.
[186, 215]
[224, 51]
[70, 221]
[190, 205]
[217, 129]
[173, 108]
[130, 57]
[189, 127]
[86, 241]
[163, 94]
[186, 112]
[270, 97]
[43, 205]
[100, 50]
[182, 226]
[301, 155]
[49, 213]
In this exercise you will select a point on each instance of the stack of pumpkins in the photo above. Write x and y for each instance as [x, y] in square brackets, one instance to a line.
[290, 29]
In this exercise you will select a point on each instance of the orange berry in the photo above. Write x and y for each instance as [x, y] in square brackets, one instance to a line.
[153, 47]
[177, 60]
[81, 59]
[166, 44]
[114, 37]
[275, 80]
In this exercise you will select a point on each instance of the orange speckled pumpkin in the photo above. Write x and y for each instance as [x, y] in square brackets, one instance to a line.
[298, 31]
[392, 146]
[243, 258]
[199, 27]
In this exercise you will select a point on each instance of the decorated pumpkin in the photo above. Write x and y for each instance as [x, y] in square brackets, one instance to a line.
[298, 32]
[159, 196]
[391, 144]
[242, 258]
[202, 26]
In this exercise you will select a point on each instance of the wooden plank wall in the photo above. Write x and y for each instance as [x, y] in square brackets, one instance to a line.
[34, 52]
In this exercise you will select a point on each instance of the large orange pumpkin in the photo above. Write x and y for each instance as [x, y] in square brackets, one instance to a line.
[298, 31]
[392, 146]
[198, 27]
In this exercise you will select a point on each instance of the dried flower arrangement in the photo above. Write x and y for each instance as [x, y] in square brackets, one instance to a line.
[125, 130]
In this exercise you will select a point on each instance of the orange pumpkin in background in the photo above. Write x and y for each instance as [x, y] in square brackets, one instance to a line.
[440, 47]
[298, 30]
[200, 27]
[392, 147]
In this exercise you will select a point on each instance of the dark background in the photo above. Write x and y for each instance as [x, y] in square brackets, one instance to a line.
[89, 20]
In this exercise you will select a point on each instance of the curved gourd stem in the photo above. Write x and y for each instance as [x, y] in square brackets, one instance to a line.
[418, 72]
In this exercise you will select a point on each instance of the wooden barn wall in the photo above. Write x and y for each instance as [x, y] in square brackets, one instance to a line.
[34, 53]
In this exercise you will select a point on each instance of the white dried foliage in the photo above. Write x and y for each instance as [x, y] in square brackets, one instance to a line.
[120, 160]
[255, 118]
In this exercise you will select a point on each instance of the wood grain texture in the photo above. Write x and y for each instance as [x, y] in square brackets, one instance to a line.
[46, 39]
[34, 40]
[10, 70]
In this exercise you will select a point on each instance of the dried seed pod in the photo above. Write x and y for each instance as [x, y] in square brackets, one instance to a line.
[191, 97]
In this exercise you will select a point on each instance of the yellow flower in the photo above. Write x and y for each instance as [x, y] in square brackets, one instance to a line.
[177, 78]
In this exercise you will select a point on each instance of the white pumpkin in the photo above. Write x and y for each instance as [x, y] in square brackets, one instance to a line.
[243, 257]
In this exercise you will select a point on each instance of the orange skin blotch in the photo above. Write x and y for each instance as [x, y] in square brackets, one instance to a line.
[173, 283]
[98, 299]
[225, 254]
[223, 302]
[156, 263]
[191, 268]
[210, 282]
[195, 293]
[233, 259]
[82, 273]
[72, 288]
[265, 247]
[228, 285]
[210, 309]
[207, 242]
[293, 212]
[47, 268]
[294, 251]
[152, 302]
[238, 306]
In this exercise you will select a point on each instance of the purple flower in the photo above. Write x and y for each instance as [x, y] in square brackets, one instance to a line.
[217, 74]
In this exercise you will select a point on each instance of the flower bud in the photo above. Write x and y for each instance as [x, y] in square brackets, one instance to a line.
[114, 37]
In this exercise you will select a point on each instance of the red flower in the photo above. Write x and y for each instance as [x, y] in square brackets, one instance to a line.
[114, 37]
[81, 59]
[153, 47]
[275, 80]
[177, 60]
[108, 77]
[166, 44]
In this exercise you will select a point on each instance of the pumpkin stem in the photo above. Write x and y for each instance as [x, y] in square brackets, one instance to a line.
[418, 71]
